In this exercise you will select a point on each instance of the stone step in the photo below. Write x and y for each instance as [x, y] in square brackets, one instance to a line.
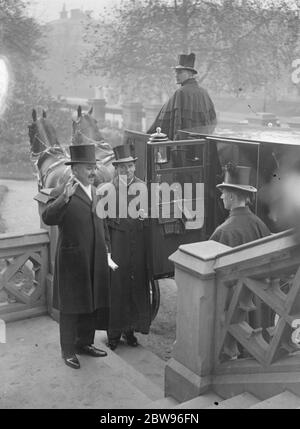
[33, 374]
[164, 403]
[285, 400]
[122, 361]
[142, 360]
[242, 401]
[202, 401]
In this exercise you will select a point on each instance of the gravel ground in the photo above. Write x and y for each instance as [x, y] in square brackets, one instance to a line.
[163, 329]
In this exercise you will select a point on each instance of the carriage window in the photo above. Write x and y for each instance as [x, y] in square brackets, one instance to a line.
[179, 169]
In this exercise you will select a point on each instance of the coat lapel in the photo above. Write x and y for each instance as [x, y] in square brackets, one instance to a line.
[82, 195]
[94, 199]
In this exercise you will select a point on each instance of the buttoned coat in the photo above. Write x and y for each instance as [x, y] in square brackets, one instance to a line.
[129, 289]
[81, 273]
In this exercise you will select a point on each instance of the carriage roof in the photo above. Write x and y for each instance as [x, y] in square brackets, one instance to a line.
[245, 133]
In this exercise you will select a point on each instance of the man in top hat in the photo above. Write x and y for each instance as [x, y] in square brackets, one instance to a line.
[189, 108]
[81, 273]
[130, 308]
[242, 225]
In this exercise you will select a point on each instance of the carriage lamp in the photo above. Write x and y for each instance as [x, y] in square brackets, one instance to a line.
[4, 80]
[160, 154]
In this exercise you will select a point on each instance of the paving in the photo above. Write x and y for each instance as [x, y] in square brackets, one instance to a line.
[33, 374]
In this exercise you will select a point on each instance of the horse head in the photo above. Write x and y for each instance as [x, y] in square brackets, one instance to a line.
[42, 134]
[86, 131]
[85, 128]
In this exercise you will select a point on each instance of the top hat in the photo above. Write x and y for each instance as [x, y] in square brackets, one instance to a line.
[82, 154]
[186, 62]
[123, 154]
[237, 177]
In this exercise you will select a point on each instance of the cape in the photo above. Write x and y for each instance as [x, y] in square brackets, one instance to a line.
[190, 108]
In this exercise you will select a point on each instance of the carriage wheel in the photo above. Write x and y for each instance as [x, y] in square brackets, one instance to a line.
[154, 297]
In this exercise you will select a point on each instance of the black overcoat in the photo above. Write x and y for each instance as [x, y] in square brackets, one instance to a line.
[81, 273]
[242, 226]
[129, 289]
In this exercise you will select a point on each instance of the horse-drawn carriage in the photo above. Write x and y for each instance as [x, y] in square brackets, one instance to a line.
[194, 211]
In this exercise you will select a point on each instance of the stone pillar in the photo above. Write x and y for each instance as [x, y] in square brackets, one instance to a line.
[133, 116]
[99, 105]
[151, 111]
[188, 372]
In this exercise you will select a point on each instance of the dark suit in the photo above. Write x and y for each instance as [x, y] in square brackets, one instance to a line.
[81, 274]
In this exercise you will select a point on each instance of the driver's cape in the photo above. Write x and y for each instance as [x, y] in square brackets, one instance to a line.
[189, 108]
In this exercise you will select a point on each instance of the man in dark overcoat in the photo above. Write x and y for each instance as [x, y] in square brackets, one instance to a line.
[242, 225]
[81, 274]
[189, 108]
[130, 308]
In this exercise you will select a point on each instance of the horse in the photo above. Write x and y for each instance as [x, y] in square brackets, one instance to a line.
[49, 156]
[86, 131]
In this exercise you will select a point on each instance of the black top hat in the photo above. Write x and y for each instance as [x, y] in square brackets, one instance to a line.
[123, 154]
[82, 154]
[186, 62]
[237, 177]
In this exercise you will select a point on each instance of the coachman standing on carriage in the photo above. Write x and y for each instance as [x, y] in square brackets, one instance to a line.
[189, 108]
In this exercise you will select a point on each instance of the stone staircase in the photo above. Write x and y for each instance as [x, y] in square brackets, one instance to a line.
[34, 376]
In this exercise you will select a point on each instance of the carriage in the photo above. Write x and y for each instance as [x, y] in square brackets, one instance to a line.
[197, 159]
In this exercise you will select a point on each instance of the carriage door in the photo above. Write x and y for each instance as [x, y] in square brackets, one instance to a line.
[178, 190]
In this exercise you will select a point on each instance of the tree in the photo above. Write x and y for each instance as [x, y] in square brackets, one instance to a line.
[20, 38]
[239, 44]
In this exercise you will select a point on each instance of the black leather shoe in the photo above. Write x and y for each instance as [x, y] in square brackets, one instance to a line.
[112, 344]
[91, 351]
[131, 339]
[71, 361]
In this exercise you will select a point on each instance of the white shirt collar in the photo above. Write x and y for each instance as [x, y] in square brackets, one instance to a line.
[87, 189]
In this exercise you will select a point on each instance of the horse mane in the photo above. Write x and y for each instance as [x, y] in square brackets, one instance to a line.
[47, 132]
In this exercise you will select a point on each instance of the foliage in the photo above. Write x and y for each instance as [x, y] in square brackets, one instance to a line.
[239, 44]
[21, 45]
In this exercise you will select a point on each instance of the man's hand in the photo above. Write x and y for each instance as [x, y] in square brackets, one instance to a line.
[111, 263]
[69, 189]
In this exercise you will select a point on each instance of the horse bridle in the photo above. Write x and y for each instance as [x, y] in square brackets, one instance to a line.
[42, 143]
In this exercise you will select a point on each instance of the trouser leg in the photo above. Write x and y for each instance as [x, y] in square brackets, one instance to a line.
[114, 334]
[68, 332]
[86, 329]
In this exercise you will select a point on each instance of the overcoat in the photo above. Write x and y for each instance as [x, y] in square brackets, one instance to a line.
[242, 226]
[189, 107]
[81, 273]
[129, 289]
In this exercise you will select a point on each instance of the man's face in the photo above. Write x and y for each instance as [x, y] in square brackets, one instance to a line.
[227, 198]
[126, 169]
[181, 75]
[85, 173]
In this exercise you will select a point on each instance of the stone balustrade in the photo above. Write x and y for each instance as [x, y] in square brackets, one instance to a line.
[24, 265]
[236, 318]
